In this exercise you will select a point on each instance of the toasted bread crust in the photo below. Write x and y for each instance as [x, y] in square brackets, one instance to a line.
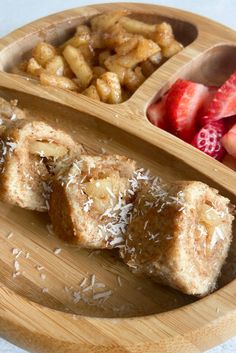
[61, 215]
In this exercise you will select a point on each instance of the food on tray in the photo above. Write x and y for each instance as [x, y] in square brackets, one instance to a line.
[203, 116]
[179, 235]
[223, 103]
[31, 153]
[208, 139]
[183, 102]
[94, 194]
[9, 111]
[107, 59]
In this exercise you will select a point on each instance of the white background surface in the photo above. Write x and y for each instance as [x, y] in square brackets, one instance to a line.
[15, 13]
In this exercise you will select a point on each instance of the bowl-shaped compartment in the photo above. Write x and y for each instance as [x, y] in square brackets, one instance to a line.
[211, 68]
[57, 29]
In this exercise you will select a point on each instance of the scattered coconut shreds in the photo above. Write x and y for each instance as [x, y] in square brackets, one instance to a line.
[47, 205]
[15, 251]
[19, 253]
[15, 274]
[83, 282]
[39, 268]
[102, 295]
[93, 279]
[45, 290]
[119, 281]
[16, 265]
[43, 276]
[217, 310]
[13, 117]
[57, 251]
[103, 150]
[91, 294]
[10, 235]
[77, 297]
[99, 285]
[66, 289]
[116, 241]
[87, 205]
[27, 255]
[86, 289]
[145, 224]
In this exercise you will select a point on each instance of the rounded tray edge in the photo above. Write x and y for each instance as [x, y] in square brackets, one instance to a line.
[194, 327]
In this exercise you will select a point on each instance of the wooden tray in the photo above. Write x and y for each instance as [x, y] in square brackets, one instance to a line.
[140, 316]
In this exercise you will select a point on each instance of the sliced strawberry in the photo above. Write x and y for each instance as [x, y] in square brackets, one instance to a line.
[223, 103]
[208, 139]
[230, 122]
[229, 141]
[156, 114]
[204, 109]
[183, 102]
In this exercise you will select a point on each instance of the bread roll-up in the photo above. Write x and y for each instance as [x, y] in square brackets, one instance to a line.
[179, 235]
[30, 154]
[95, 201]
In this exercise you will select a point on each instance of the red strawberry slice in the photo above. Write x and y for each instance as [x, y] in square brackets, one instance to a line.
[223, 103]
[156, 114]
[230, 122]
[208, 139]
[229, 141]
[204, 109]
[183, 102]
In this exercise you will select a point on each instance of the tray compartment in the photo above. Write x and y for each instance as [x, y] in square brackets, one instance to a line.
[57, 33]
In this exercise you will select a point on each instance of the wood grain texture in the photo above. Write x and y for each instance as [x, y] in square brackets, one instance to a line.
[139, 316]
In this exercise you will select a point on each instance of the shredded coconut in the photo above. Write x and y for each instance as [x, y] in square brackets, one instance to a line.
[57, 251]
[16, 265]
[102, 295]
[10, 235]
[119, 281]
[87, 205]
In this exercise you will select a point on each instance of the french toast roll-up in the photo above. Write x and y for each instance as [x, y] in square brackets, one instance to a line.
[95, 199]
[179, 235]
[30, 155]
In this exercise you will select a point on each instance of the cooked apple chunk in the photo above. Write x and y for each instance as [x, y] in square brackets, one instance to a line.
[47, 149]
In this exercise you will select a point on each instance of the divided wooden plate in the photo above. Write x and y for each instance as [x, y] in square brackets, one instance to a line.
[139, 316]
